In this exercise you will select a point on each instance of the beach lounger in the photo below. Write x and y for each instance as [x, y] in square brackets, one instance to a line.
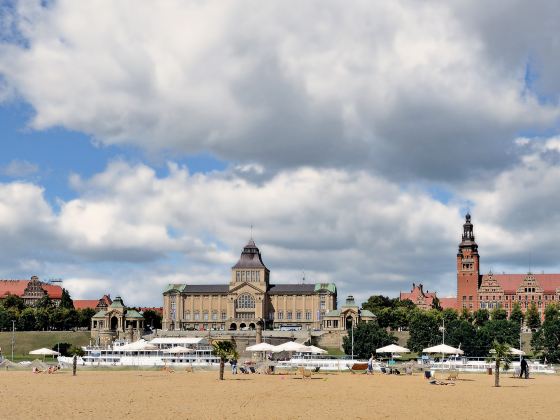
[453, 375]
[435, 382]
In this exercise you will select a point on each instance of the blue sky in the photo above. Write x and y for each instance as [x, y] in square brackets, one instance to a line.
[140, 152]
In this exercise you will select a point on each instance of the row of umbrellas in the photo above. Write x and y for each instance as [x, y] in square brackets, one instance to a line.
[439, 349]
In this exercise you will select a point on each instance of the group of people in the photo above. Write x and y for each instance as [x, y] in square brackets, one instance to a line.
[51, 369]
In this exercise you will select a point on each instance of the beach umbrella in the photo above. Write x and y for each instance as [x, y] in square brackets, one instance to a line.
[443, 349]
[392, 348]
[314, 350]
[512, 350]
[290, 346]
[44, 352]
[261, 347]
[178, 350]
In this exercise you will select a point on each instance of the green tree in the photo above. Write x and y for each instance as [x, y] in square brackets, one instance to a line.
[424, 330]
[41, 319]
[45, 303]
[498, 314]
[225, 350]
[547, 339]
[65, 300]
[62, 348]
[501, 358]
[460, 332]
[368, 336]
[376, 303]
[481, 317]
[152, 319]
[533, 317]
[13, 301]
[26, 320]
[502, 331]
[466, 315]
[516, 313]
[399, 317]
[449, 315]
[405, 303]
[84, 317]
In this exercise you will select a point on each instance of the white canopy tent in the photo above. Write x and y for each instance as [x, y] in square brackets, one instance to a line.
[443, 349]
[290, 346]
[261, 347]
[512, 350]
[44, 352]
[392, 348]
[314, 350]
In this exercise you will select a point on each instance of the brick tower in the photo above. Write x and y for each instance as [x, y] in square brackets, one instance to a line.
[468, 272]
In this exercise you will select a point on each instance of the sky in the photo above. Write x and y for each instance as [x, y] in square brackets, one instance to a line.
[140, 141]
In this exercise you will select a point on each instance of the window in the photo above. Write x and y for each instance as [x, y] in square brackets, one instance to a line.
[323, 305]
[258, 276]
[289, 315]
[188, 315]
[328, 323]
[245, 301]
[224, 316]
[214, 316]
[238, 276]
[197, 316]
[470, 297]
[308, 315]
[205, 315]
[280, 315]
[298, 315]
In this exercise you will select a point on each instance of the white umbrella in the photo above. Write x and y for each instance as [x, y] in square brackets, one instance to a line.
[45, 352]
[136, 346]
[178, 350]
[314, 350]
[443, 349]
[513, 351]
[289, 346]
[392, 348]
[261, 347]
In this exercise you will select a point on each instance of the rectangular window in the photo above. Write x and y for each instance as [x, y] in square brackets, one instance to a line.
[238, 276]
[258, 276]
[289, 315]
[188, 315]
[470, 297]
[224, 316]
[308, 315]
[328, 323]
[335, 323]
[197, 316]
[280, 315]
[323, 305]
[205, 316]
[298, 315]
[214, 316]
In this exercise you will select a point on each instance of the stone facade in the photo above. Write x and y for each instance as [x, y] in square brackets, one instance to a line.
[349, 315]
[116, 322]
[249, 301]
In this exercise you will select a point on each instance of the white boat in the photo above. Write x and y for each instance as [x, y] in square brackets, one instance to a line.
[325, 363]
[465, 364]
[153, 353]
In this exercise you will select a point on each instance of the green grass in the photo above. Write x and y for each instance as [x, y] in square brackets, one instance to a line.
[31, 340]
[334, 351]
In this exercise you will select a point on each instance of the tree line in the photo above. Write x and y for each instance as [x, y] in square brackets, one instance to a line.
[475, 332]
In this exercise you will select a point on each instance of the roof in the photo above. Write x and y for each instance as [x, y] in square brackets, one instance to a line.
[448, 302]
[159, 309]
[250, 257]
[295, 289]
[85, 304]
[117, 303]
[329, 287]
[510, 282]
[17, 287]
[100, 314]
[133, 313]
[178, 340]
[197, 288]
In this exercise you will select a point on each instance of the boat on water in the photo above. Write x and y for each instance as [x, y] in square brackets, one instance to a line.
[160, 351]
[325, 363]
[464, 364]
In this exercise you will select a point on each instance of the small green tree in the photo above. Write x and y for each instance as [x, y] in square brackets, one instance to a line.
[481, 317]
[501, 358]
[65, 300]
[533, 317]
[466, 315]
[45, 303]
[368, 336]
[516, 314]
[13, 301]
[547, 338]
[424, 327]
[225, 350]
[498, 314]
[63, 348]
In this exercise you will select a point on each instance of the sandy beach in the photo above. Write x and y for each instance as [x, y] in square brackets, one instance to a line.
[162, 395]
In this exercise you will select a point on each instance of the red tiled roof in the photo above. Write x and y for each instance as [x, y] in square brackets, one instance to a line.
[159, 310]
[17, 287]
[448, 302]
[83, 304]
[510, 282]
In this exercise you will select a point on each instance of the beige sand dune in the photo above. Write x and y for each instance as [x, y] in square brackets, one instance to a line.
[162, 395]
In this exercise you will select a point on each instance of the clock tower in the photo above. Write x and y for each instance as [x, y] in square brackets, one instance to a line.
[468, 271]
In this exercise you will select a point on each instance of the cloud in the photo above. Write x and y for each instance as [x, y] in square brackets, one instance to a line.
[409, 90]
[19, 169]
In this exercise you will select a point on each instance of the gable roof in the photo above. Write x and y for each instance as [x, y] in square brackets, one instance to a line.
[510, 282]
[85, 303]
[448, 303]
[293, 289]
[17, 287]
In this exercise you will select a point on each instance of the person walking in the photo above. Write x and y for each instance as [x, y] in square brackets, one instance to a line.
[233, 363]
[524, 369]
[370, 366]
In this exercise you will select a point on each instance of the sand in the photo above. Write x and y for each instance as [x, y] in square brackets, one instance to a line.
[181, 395]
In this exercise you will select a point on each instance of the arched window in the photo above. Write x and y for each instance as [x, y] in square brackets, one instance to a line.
[245, 301]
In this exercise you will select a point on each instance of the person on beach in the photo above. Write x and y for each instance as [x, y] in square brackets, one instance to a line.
[524, 370]
[233, 363]
[370, 366]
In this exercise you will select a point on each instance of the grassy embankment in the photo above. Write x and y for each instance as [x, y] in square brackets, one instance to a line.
[25, 341]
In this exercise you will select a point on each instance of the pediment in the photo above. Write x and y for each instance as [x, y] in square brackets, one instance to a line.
[246, 286]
